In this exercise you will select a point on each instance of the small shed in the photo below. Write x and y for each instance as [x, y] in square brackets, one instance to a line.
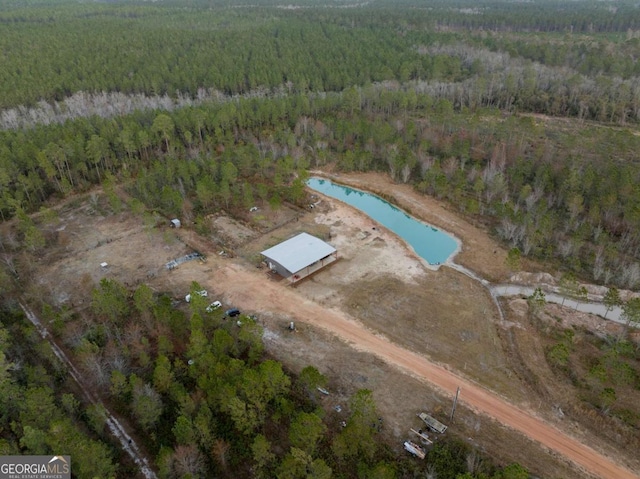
[300, 256]
[175, 223]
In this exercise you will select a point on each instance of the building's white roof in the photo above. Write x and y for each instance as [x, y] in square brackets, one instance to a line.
[298, 252]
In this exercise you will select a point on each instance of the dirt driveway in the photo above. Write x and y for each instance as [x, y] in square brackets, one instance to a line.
[251, 290]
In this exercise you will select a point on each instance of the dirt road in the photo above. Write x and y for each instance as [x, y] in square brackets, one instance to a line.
[253, 291]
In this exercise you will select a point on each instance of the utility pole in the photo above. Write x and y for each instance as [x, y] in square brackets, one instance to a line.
[455, 402]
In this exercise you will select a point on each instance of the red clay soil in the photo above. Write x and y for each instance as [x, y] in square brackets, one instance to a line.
[254, 292]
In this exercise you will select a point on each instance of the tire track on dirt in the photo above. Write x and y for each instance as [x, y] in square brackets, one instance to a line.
[254, 291]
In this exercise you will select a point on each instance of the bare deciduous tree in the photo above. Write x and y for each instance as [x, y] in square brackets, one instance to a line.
[188, 462]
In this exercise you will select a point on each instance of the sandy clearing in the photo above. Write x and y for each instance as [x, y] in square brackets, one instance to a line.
[351, 228]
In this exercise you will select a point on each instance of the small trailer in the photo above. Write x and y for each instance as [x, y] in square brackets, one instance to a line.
[414, 449]
[432, 423]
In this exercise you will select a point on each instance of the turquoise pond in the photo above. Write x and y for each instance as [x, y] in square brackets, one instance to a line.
[433, 245]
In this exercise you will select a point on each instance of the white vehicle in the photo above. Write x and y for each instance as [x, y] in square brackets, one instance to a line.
[202, 293]
[414, 449]
[213, 306]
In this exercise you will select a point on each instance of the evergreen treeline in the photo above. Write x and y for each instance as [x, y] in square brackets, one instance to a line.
[51, 52]
[542, 16]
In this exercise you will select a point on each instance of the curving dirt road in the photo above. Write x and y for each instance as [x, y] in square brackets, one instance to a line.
[254, 291]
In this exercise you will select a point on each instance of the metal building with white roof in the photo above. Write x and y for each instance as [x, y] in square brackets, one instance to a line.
[300, 256]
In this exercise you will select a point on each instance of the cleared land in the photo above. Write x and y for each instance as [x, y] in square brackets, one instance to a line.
[378, 297]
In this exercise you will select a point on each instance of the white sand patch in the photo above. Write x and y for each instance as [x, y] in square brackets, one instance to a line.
[367, 247]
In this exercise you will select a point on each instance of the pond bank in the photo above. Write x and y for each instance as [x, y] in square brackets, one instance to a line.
[400, 222]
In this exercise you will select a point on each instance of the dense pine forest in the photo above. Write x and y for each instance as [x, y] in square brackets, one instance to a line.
[523, 116]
